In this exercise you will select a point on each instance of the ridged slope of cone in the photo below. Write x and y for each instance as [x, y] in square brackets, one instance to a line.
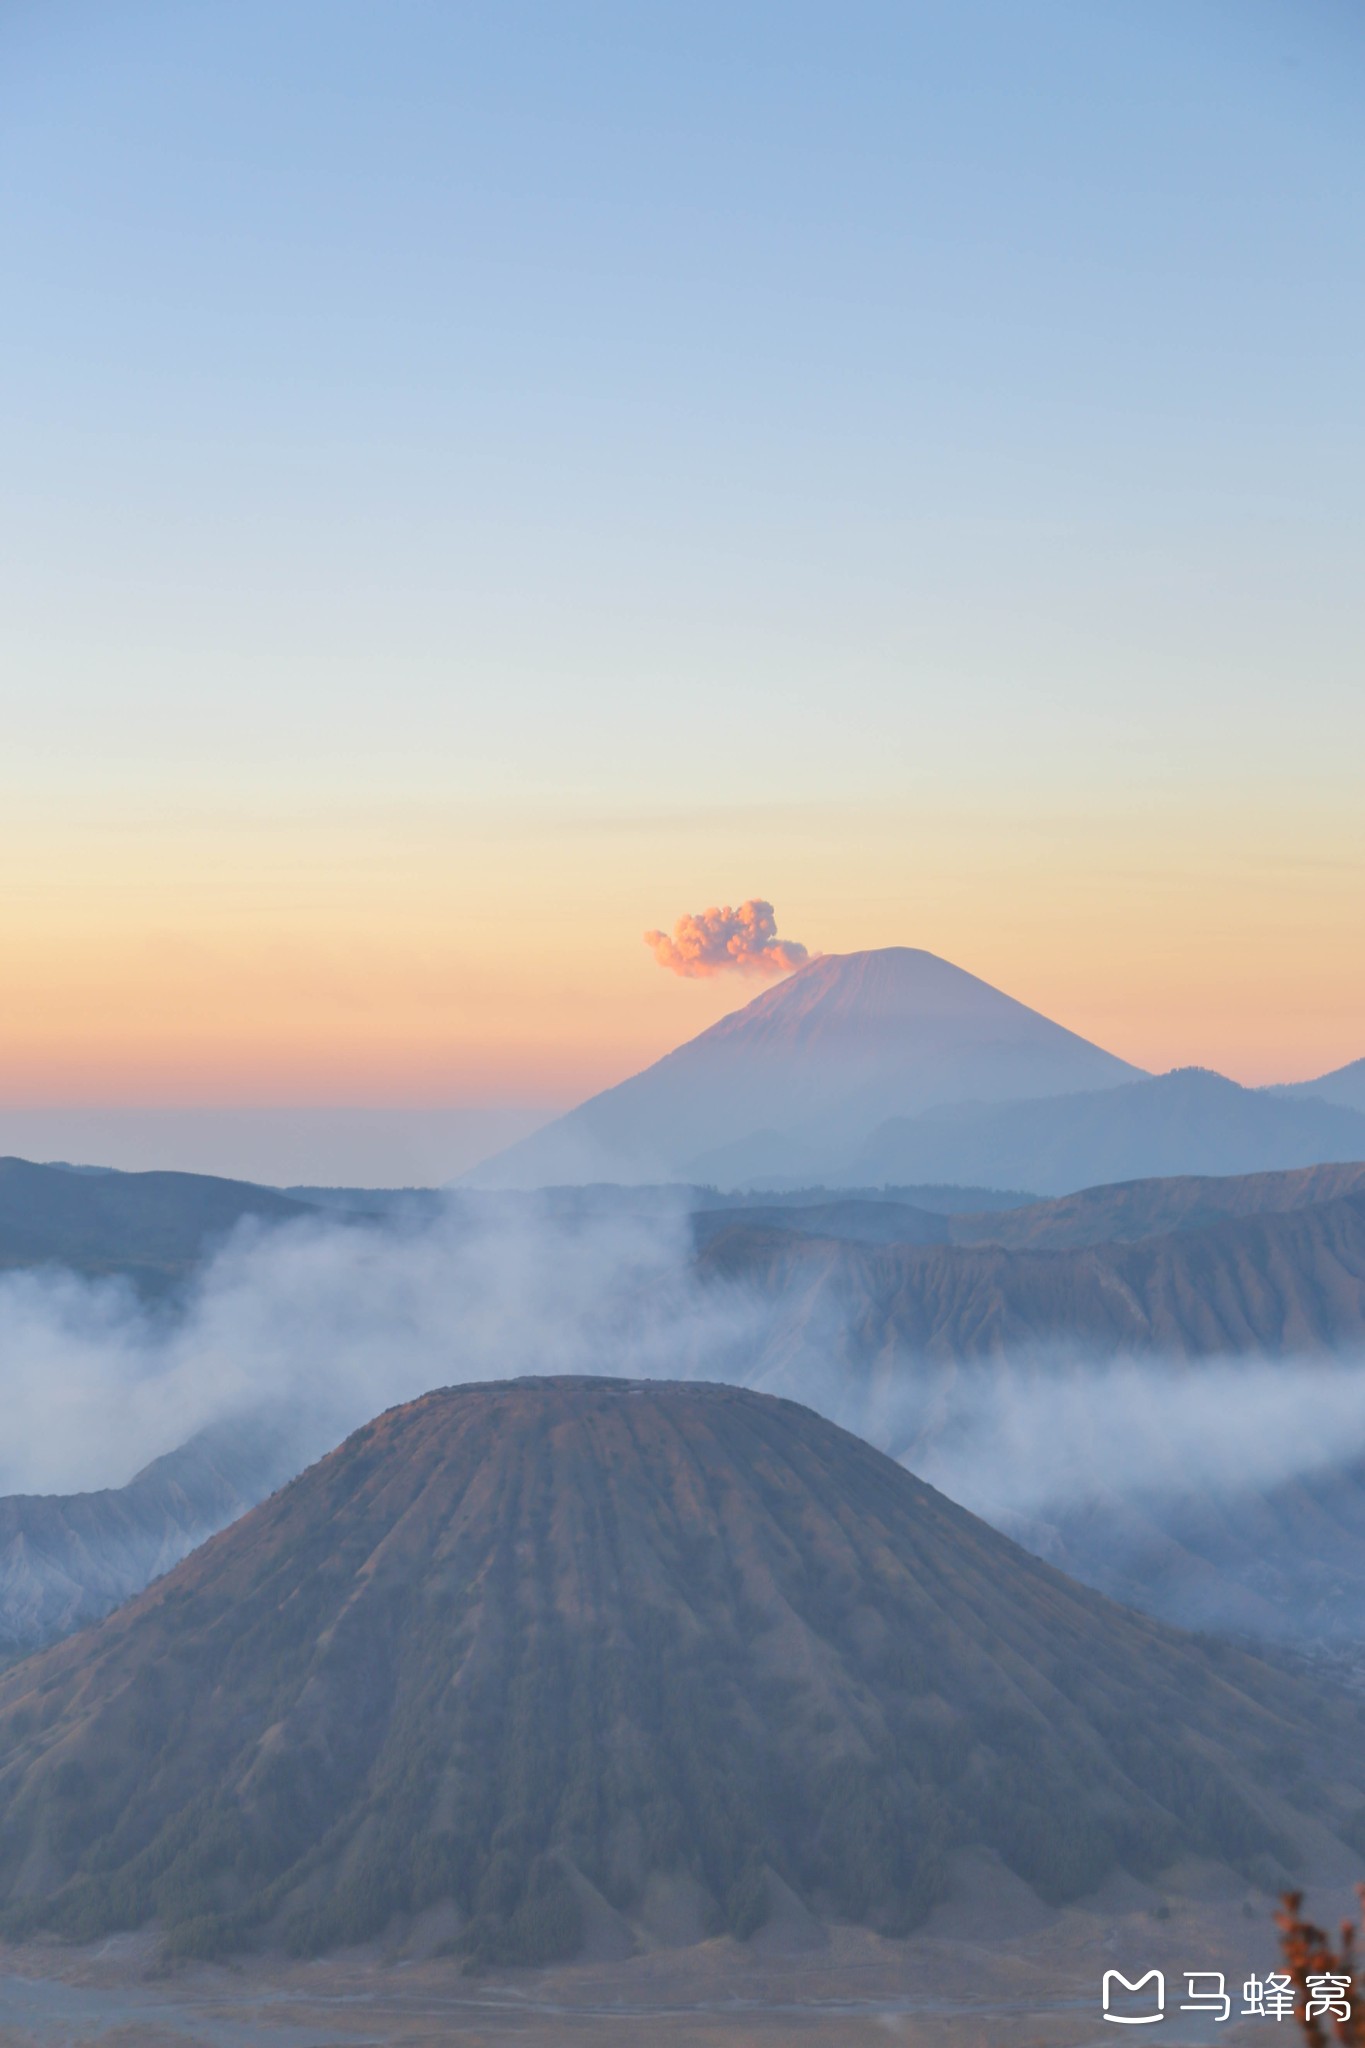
[513, 1641]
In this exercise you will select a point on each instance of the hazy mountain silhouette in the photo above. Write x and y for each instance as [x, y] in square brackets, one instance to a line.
[67, 1559]
[153, 1227]
[545, 1651]
[806, 1070]
[862, 1220]
[1121, 1213]
[1129, 1210]
[1281, 1564]
[1345, 1085]
[1187, 1122]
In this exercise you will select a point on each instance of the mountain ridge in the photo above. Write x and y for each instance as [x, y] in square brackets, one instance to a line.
[1190, 1121]
[152, 1227]
[1118, 1212]
[69, 1559]
[1271, 1284]
[1115, 1212]
[1344, 1085]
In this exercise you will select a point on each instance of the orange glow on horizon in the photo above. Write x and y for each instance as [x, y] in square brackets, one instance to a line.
[354, 962]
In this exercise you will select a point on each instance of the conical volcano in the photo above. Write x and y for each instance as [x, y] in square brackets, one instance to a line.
[799, 1077]
[528, 1651]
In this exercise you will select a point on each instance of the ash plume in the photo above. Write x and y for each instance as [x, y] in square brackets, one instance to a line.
[725, 941]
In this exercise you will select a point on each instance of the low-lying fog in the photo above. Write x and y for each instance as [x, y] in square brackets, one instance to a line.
[333, 1322]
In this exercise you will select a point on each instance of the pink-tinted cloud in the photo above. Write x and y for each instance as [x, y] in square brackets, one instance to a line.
[742, 941]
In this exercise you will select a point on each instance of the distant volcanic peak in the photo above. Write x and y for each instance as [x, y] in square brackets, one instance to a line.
[881, 982]
[817, 1064]
[892, 989]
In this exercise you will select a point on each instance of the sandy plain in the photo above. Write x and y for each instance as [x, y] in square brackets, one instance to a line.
[994, 1969]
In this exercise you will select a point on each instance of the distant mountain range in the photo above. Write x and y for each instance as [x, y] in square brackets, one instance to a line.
[155, 1229]
[522, 1663]
[151, 1227]
[158, 1228]
[1119, 1213]
[1266, 1284]
[1187, 1122]
[867, 1069]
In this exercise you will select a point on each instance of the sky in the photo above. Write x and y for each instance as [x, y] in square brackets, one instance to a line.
[479, 482]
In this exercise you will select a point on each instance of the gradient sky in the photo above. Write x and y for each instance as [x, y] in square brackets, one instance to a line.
[478, 481]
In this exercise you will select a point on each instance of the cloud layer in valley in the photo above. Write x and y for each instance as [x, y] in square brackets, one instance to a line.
[725, 941]
[1052, 1437]
[328, 1322]
[332, 1322]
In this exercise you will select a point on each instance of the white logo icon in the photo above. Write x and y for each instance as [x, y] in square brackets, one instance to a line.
[1113, 1978]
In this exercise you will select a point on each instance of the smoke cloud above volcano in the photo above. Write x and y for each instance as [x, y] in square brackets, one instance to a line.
[723, 941]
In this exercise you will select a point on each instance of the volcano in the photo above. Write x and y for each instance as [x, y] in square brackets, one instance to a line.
[648, 1655]
[803, 1074]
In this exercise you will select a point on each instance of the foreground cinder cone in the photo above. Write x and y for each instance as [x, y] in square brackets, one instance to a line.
[520, 1646]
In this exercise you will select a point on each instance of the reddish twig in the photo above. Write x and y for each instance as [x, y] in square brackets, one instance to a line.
[1308, 1954]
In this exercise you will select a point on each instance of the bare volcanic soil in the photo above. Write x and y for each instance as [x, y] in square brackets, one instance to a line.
[519, 1649]
[1266, 1283]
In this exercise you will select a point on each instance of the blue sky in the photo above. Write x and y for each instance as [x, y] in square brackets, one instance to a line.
[448, 419]
[708, 348]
